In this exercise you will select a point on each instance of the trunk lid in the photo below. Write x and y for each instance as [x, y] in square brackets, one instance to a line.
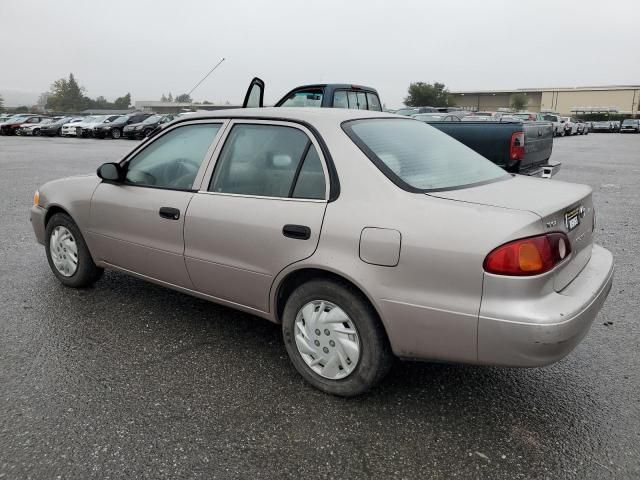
[553, 201]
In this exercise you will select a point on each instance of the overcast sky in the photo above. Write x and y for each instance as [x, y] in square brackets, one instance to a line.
[151, 47]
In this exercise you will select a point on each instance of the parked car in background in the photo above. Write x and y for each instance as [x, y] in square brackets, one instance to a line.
[74, 129]
[602, 126]
[529, 116]
[4, 118]
[557, 122]
[148, 125]
[630, 125]
[115, 128]
[33, 129]
[12, 125]
[365, 235]
[436, 117]
[583, 127]
[55, 127]
[570, 126]
[88, 126]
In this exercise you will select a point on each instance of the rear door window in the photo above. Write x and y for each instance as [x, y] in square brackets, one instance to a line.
[268, 161]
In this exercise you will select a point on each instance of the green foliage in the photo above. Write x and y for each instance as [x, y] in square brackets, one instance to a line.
[422, 94]
[66, 95]
[183, 98]
[122, 103]
[21, 109]
[170, 98]
[1, 104]
[519, 101]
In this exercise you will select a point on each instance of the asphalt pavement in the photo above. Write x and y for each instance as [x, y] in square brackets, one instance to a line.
[131, 380]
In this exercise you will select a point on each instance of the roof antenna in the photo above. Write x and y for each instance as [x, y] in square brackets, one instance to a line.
[205, 77]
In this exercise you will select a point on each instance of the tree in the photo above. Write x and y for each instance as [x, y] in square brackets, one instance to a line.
[183, 98]
[123, 103]
[519, 101]
[66, 96]
[170, 98]
[207, 102]
[426, 94]
[1, 104]
[163, 98]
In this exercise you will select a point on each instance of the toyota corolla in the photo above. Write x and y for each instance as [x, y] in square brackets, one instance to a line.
[366, 235]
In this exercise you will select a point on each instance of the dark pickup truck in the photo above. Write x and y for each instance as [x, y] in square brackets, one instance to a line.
[518, 147]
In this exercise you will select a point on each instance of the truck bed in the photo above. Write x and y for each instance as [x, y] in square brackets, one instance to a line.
[493, 141]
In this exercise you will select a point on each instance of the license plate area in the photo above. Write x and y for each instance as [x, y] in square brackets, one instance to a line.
[572, 218]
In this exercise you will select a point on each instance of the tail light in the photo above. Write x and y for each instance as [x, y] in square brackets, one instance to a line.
[528, 256]
[516, 150]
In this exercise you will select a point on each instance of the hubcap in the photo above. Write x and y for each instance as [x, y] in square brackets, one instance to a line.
[327, 339]
[64, 251]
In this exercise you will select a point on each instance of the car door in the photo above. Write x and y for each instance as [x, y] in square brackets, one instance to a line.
[138, 224]
[259, 209]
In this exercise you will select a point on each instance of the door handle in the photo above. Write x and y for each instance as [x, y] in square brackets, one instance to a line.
[299, 232]
[170, 213]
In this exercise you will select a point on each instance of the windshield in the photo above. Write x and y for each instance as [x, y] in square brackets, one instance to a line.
[418, 157]
[153, 119]
[100, 119]
[304, 98]
[629, 121]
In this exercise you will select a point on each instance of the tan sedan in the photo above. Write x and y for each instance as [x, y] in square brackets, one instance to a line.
[366, 235]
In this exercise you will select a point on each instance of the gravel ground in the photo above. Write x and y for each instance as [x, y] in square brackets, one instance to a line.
[130, 380]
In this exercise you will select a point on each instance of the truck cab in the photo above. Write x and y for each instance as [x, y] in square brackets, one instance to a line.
[323, 95]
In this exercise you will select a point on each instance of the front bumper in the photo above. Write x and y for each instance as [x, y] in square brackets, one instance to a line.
[37, 215]
[536, 332]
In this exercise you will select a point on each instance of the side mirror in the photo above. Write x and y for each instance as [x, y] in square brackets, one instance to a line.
[111, 172]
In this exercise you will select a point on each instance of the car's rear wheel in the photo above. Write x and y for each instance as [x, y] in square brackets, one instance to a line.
[334, 338]
[36, 132]
[115, 133]
[68, 255]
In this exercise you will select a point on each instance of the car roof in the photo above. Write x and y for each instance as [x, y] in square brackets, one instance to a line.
[298, 114]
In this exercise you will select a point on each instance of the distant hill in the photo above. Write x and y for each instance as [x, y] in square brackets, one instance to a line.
[17, 98]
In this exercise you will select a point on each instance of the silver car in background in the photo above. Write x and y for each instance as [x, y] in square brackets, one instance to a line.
[366, 235]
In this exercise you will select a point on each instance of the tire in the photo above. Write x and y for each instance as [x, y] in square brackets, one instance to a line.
[562, 133]
[373, 352]
[36, 132]
[116, 133]
[86, 272]
[146, 132]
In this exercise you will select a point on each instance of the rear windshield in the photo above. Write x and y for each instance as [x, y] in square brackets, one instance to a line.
[418, 157]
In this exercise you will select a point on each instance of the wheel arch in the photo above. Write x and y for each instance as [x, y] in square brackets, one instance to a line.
[288, 283]
[52, 210]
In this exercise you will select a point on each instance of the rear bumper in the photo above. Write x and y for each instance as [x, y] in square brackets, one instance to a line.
[537, 332]
[37, 215]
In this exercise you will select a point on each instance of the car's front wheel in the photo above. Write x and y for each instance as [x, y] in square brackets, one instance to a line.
[334, 338]
[115, 133]
[68, 255]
